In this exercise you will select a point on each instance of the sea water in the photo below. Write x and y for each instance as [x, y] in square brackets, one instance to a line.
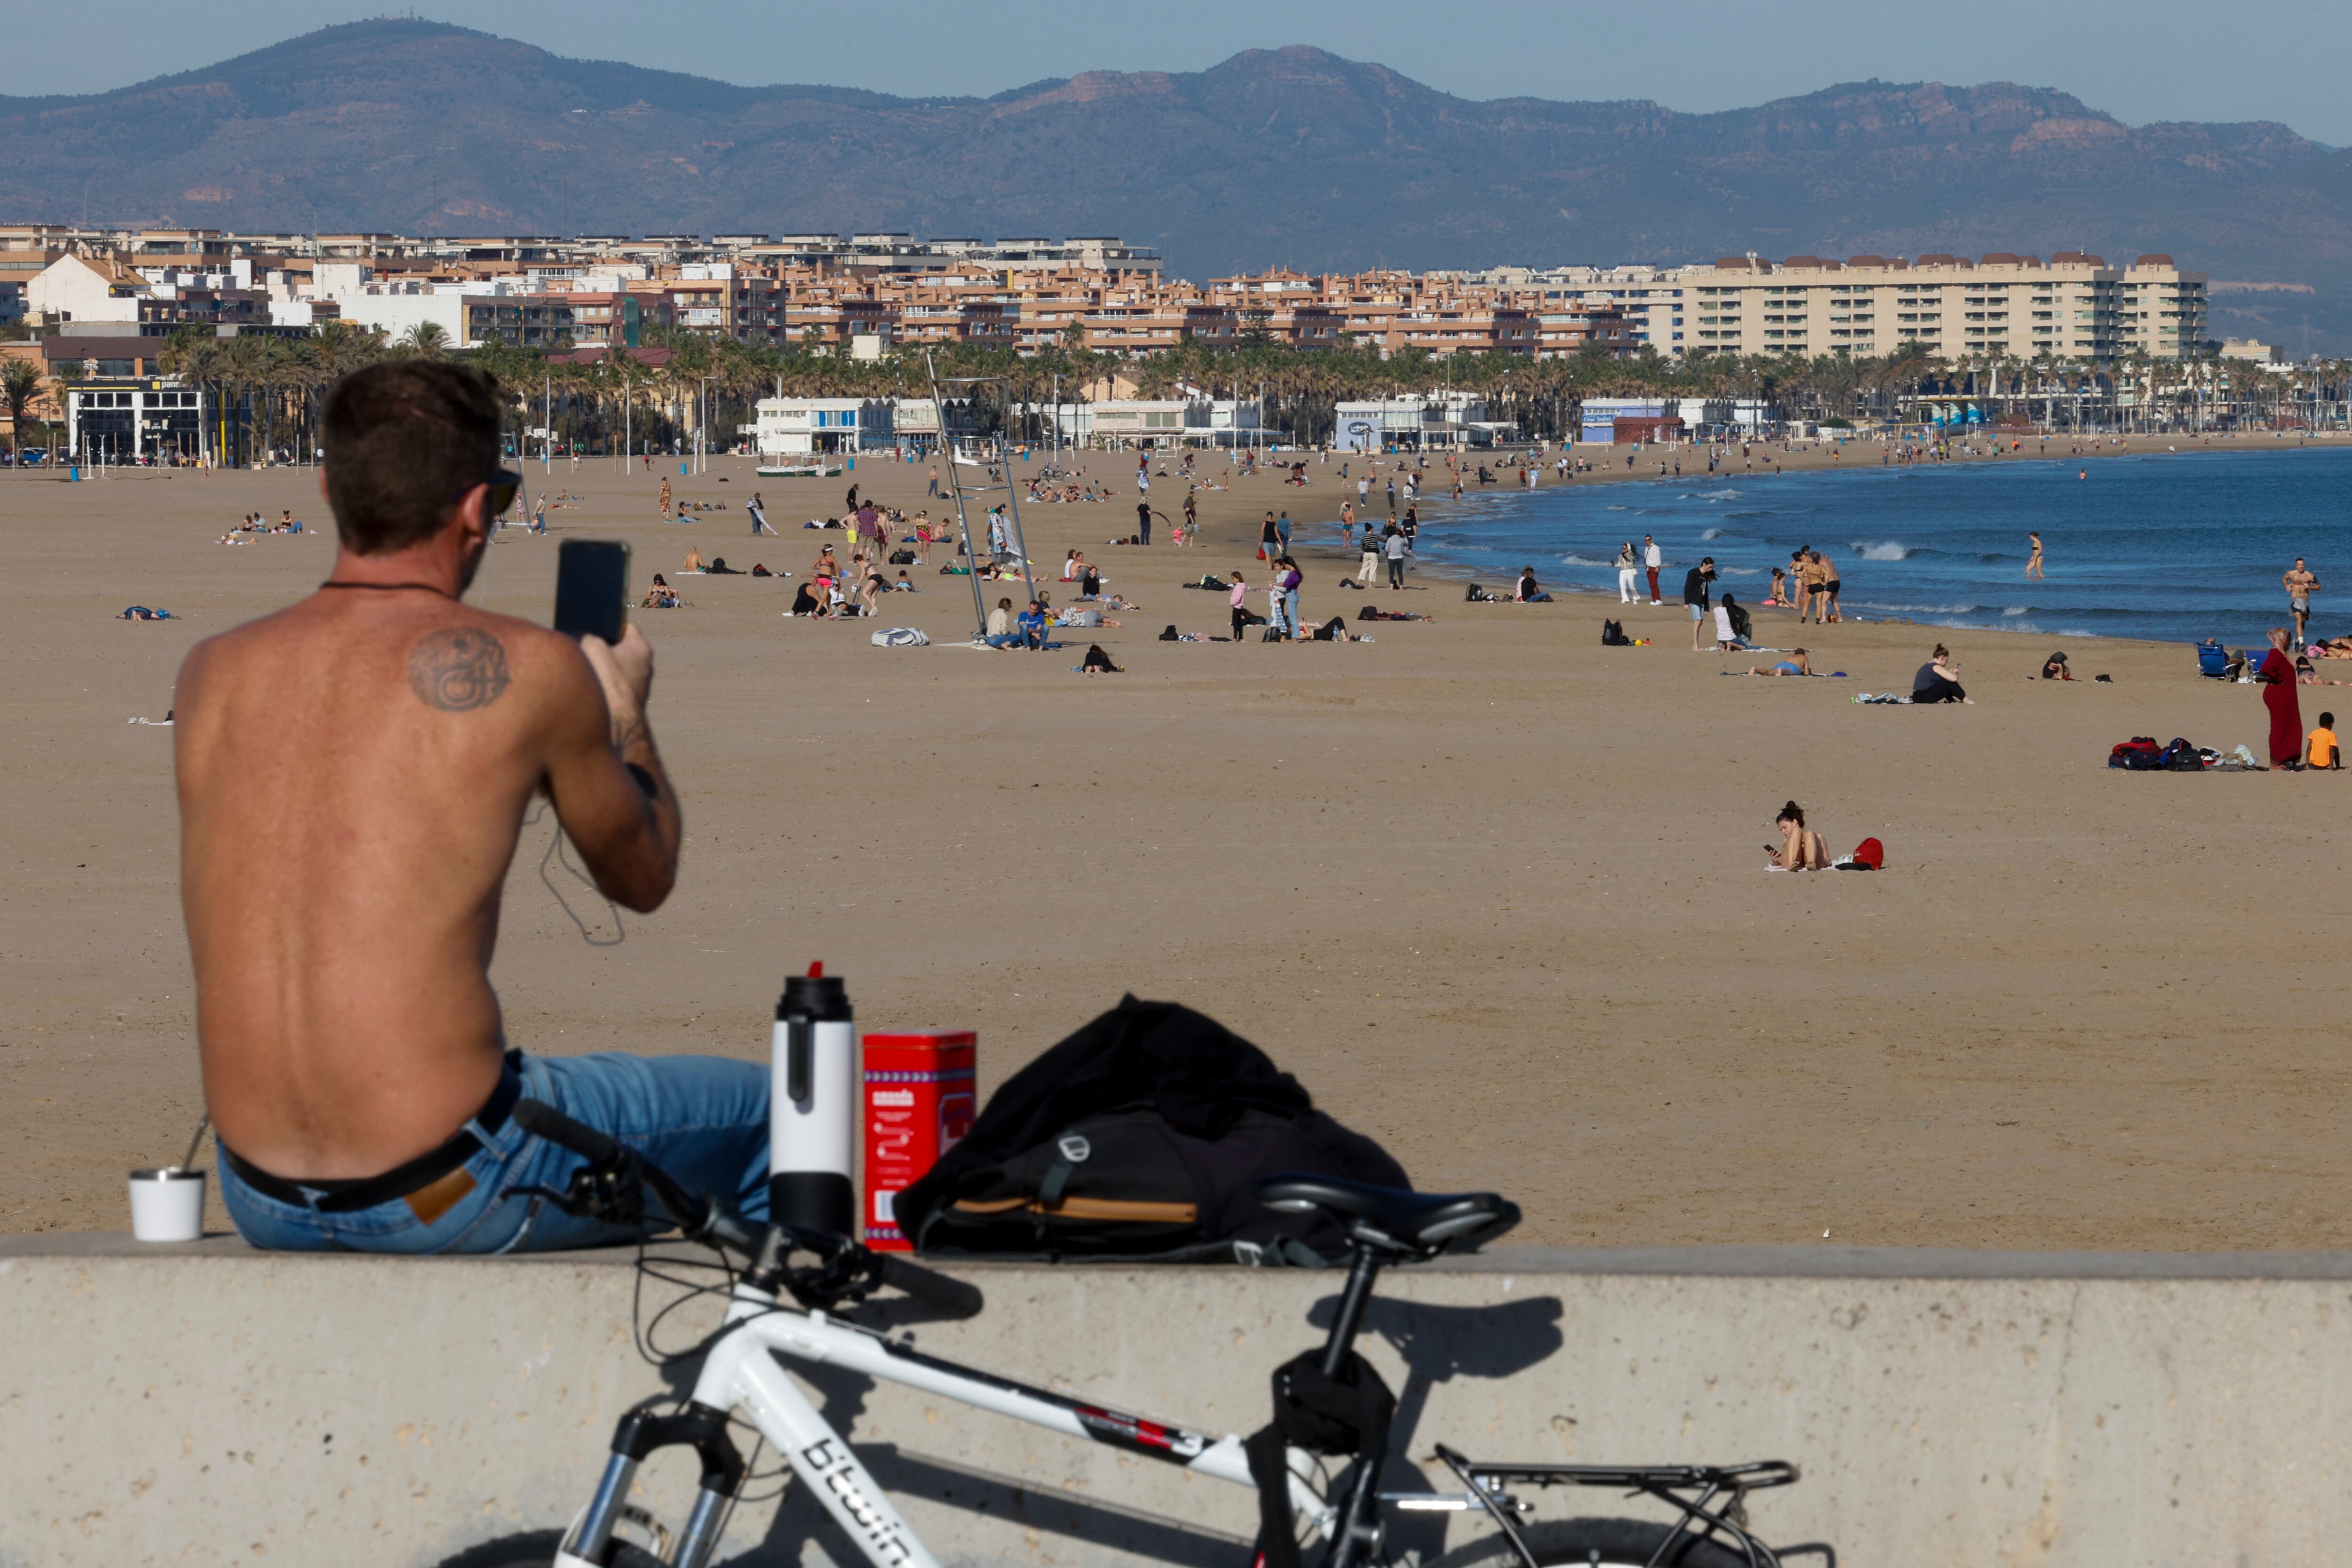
[2168, 547]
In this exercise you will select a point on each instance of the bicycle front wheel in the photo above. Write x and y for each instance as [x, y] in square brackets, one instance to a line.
[537, 1550]
[1600, 1543]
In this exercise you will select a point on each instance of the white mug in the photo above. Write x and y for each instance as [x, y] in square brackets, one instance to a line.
[167, 1205]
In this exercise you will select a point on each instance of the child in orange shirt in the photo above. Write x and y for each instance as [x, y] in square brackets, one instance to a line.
[2321, 750]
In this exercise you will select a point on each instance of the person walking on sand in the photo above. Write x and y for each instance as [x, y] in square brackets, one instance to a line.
[1237, 600]
[759, 510]
[1697, 594]
[2277, 676]
[1625, 569]
[1191, 514]
[2300, 584]
[1368, 569]
[1394, 549]
[934, 492]
[665, 497]
[2033, 562]
[1654, 559]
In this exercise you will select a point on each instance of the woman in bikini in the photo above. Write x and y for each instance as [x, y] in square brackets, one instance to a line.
[2033, 563]
[1801, 849]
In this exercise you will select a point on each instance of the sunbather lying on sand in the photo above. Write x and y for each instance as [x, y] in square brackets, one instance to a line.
[1801, 849]
[1798, 663]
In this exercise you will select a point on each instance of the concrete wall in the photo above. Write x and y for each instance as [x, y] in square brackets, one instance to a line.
[208, 1405]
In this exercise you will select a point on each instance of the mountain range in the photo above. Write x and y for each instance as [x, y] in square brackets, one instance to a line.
[1293, 157]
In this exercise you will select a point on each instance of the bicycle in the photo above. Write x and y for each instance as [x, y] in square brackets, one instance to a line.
[777, 1308]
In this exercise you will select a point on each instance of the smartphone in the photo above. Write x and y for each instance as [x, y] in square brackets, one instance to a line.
[592, 588]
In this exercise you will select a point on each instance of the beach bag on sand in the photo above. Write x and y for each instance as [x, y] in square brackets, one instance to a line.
[1869, 855]
[1169, 634]
[1141, 1137]
[2181, 757]
[901, 637]
[902, 558]
[1612, 635]
[2139, 755]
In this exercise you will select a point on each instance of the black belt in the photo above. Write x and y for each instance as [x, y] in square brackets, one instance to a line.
[367, 1192]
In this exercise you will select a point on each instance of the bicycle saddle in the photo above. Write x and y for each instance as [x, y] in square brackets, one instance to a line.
[1418, 1222]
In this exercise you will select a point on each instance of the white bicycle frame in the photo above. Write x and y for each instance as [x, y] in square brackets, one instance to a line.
[740, 1373]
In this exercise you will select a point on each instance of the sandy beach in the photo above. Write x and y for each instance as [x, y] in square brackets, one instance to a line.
[1494, 893]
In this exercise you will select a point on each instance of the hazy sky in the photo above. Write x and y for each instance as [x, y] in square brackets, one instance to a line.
[2139, 59]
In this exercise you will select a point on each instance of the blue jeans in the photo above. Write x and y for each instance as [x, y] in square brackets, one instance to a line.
[702, 1118]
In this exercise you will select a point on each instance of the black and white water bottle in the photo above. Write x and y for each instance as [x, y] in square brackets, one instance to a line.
[813, 1106]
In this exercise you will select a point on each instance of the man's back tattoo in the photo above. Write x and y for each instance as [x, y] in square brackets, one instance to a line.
[457, 668]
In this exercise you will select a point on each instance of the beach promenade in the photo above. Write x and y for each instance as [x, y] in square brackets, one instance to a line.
[1494, 893]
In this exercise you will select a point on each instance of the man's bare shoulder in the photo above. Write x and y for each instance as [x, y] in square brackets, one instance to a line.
[467, 658]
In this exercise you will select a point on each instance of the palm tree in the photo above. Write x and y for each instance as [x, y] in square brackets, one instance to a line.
[20, 382]
[425, 340]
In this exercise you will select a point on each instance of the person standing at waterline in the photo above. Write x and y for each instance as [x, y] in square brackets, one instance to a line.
[1625, 572]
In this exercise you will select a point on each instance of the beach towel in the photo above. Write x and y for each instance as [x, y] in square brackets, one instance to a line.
[1884, 697]
[901, 637]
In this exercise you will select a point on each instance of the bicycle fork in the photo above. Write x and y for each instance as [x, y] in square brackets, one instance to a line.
[824, 1463]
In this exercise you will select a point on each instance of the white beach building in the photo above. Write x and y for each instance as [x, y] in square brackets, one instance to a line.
[800, 426]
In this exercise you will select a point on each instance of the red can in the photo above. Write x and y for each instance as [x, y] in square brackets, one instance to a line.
[919, 1102]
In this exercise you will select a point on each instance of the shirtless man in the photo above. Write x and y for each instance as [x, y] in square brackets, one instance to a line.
[2299, 585]
[353, 773]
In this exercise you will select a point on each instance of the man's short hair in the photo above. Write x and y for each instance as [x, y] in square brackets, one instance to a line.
[404, 440]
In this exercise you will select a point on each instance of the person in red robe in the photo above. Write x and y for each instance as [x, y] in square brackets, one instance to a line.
[2279, 695]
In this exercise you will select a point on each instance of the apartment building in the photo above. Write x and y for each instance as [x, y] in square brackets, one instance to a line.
[2071, 306]
[1638, 307]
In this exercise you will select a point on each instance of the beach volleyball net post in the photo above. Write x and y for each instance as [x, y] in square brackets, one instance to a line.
[959, 492]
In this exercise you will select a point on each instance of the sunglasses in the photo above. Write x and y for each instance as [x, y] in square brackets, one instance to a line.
[505, 484]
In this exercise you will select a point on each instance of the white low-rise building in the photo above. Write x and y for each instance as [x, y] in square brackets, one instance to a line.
[81, 289]
[1429, 419]
[800, 426]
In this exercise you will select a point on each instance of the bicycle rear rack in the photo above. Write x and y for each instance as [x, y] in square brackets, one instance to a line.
[1711, 1499]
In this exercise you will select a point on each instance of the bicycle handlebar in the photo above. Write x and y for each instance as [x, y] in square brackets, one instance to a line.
[714, 1224]
[541, 1120]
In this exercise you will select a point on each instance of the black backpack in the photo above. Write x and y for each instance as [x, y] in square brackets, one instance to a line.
[1142, 1136]
[1612, 635]
[902, 558]
[1169, 635]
